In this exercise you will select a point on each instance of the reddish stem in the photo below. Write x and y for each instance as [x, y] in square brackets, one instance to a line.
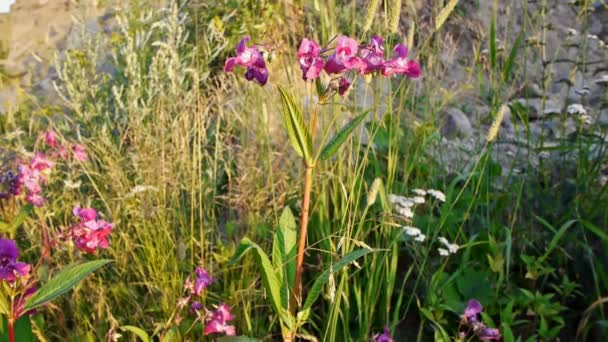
[11, 330]
[297, 285]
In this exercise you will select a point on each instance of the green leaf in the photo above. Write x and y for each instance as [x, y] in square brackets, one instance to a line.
[23, 330]
[171, 335]
[296, 128]
[508, 69]
[334, 144]
[63, 282]
[237, 339]
[18, 220]
[317, 286]
[139, 332]
[493, 42]
[269, 277]
[284, 254]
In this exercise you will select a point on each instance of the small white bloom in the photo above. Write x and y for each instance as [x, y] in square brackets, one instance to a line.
[420, 238]
[440, 196]
[602, 80]
[592, 36]
[586, 119]
[443, 252]
[443, 241]
[576, 108]
[419, 192]
[453, 248]
[406, 212]
[72, 185]
[418, 200]
[571, 32]
[411, 231]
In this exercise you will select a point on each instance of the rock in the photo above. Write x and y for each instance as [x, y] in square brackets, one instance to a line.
[537, 109]
[456, 124]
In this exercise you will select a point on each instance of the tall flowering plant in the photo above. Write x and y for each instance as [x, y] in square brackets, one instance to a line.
[22, 189]
[347, 59]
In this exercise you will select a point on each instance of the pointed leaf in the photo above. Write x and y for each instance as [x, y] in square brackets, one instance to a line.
[493, 51]
[139, 332]
[63, 282]
[507, 71]
[284, 254]
[243, 247]
[334, 144]
[296, 128]
[314, 292]
[445, 13]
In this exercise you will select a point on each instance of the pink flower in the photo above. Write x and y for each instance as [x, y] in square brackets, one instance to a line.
[252, 59]
[50, 138]
[40, 162]
[217, 321]
[401, 65]
[90, 233]
[35, 199]
[310, 59]
[343, 86]
[471, 311]
[203, 280]
[79, 153]
[373, 56]
[86, 214]
[384, 337]
[345, 57]
[488, 334]
[62, 152]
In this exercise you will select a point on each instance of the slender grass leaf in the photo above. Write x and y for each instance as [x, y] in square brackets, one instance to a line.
[334, 144]
[558, 235]
[508, 68]
[139, 332]
[63, 282]
[296, 128]
[493, 51]
[444, 14]
[595, 230]
[323, 278]
[243, 247]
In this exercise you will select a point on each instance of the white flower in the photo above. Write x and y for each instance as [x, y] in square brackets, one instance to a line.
[420, 238]
[603, 80]
[72, 185]
[453, 248]
[419, 192]
[592, 36]
[418, 200]
[586, 119]
[406, 212]
[440, 196]
[443, 241]
[411, 231]
[571, 32]
[443, 252]
[576, 108]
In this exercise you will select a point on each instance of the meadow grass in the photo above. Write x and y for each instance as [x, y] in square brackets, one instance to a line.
[187, 160]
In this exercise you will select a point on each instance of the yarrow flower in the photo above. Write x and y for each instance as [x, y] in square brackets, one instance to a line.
[440, 196]
[217, 321]
[90, 233]
[452, 248]
[311, 62]
[10, 268]
[250, 58]
[384, 337]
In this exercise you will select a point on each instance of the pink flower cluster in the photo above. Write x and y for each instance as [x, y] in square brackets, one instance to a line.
[78, 151]
[216, 321]
[470, 318]
[30, 177]
[90, 233]
[250, 58]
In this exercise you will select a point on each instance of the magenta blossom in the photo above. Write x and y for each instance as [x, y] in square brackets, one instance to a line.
[343, 86]
[400, 65]
[250, 58]
[384, 337]
[489, 334]
[90, 233]
[311, 62]
[471, 311]
[10, 268]
[79, 153]
[217, 321]
[50, 138]
[40, 162]
[30, 177]
[373, 56]
[203, 280]
[345, 57]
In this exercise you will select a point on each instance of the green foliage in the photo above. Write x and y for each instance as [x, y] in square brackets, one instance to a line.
[23, 330]
[340, 137]
[297, 131]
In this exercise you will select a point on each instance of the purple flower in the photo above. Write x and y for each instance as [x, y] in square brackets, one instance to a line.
[471, 311]
[489, 334]
[50, 138]
[373, 56]
[86, 214]
[309, 56]
[384, 337]
[203, 280]
[79, 153]
[216, 321]
[252, 59]
[343, 86]
[10, 268]
[195, 307]
[401, 65]
[345, 57]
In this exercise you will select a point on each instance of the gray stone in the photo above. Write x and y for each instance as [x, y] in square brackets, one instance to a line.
[455, 124]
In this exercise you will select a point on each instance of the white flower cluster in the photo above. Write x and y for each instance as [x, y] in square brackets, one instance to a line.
[415, 233]
[404, 205]
[440, 196]
[452, 248]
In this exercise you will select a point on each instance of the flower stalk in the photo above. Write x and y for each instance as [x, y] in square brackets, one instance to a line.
[297, 285]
